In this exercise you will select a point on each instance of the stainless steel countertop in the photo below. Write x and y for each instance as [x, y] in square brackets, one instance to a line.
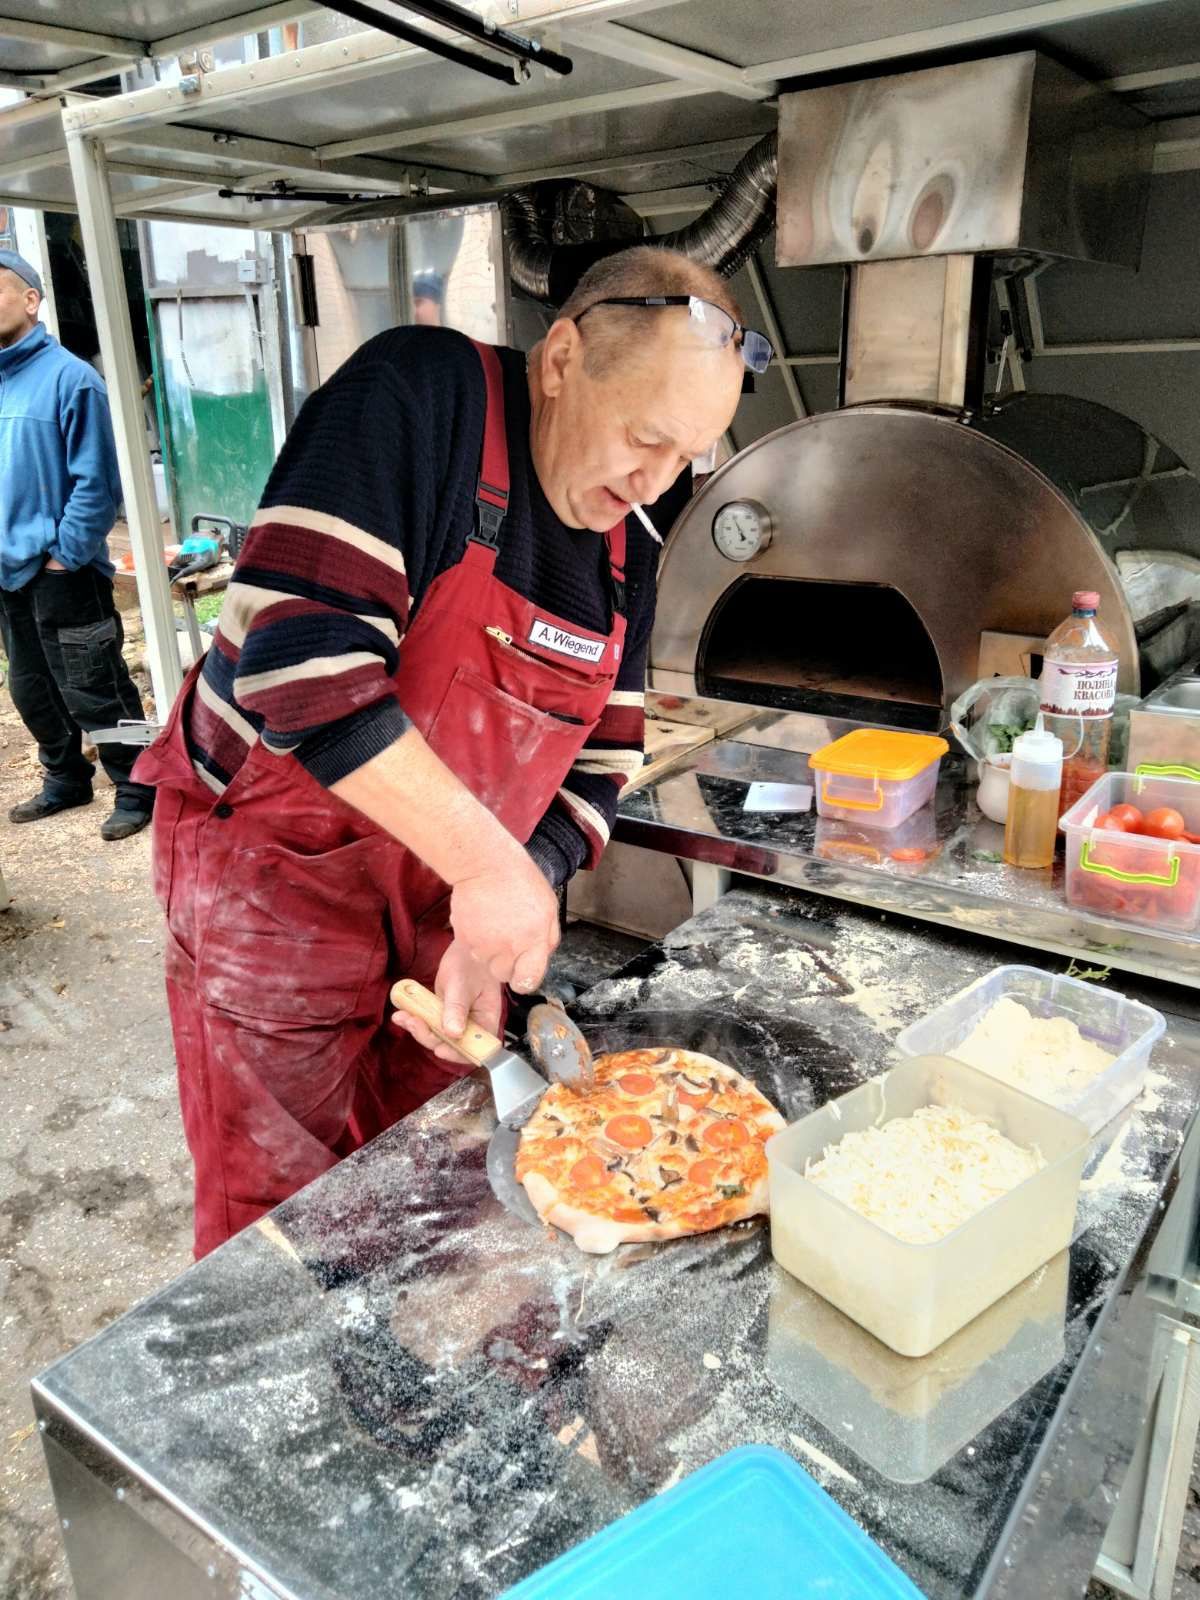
[397, 1387]
[696, 811]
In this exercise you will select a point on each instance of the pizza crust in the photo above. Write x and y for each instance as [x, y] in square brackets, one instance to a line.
[543, 1162]
[599, 1236]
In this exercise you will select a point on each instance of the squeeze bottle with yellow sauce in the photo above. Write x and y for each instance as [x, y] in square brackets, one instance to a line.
[1035, 778]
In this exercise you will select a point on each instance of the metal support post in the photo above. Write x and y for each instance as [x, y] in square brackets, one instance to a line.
[1142, 1545]
[775, 333]
[98, 224]
[709, 884]
[1010, 355]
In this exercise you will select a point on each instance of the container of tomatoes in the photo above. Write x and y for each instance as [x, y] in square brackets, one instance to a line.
[1133, 851]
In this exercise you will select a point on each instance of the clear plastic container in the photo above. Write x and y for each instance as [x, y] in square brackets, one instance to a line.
[1128, 877]
[877, 777]
[914, 1296]
[1125, 1028]
[906, 847]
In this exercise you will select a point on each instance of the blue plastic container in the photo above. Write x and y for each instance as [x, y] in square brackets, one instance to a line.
[751, 1522]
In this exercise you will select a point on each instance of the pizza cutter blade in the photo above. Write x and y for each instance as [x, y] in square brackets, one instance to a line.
[516, 1087]
[558, 1046]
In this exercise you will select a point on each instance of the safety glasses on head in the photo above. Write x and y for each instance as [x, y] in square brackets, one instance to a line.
[712, 325]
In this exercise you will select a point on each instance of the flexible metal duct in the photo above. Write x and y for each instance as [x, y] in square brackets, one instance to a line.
[723, 238]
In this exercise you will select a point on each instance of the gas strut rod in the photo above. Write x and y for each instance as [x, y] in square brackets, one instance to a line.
[358, 12]
[461, 21]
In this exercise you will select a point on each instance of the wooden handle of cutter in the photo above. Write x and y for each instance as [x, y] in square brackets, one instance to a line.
[477, 1044]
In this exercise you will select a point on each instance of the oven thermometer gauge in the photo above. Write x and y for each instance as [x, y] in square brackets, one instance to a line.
[741, 530]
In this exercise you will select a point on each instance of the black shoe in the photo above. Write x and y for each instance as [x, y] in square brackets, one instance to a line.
[122, 824]
[45, 805]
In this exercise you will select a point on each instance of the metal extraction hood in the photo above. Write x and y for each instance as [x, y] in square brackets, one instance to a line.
[1010, 156]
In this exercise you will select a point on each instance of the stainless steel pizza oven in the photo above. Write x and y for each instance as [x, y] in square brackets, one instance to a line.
[905, 554]
[873, 561]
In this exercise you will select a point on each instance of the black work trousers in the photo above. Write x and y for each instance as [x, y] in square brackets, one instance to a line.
[62, 635]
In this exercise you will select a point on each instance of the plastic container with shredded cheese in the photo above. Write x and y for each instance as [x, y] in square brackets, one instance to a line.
[914, 1296]
[1125, 1029]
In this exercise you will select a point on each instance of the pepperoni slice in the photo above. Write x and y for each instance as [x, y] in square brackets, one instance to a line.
[725, 1135]
[588, 1173]
[705, 1172]
[637, 1084]
[630, 1131]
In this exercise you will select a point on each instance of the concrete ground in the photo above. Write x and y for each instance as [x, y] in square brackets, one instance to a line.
[95, 1201]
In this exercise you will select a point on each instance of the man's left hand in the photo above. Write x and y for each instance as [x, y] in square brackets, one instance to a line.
[467, 990]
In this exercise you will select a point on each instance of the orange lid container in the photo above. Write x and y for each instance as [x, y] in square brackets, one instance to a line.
[885, 754]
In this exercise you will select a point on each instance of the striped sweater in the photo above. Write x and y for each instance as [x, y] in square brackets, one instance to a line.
[371, 498]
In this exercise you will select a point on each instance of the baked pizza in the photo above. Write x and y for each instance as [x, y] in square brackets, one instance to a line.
[666, 1143]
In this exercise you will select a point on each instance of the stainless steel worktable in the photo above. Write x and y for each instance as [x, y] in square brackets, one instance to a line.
[696, 811]
[395, 1387]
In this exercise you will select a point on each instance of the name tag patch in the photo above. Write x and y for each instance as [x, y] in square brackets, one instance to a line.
[562, 643]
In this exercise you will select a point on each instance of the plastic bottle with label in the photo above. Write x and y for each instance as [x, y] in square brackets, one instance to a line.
[1079, 693]
[1035, 777]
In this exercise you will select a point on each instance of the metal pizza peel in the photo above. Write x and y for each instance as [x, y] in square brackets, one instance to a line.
[565, 1056]
[516, 1090]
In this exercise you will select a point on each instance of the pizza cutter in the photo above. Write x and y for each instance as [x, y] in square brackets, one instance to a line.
[558, 1046]
[516, 1087]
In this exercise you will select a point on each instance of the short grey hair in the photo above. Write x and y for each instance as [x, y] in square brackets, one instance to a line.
[645, 269]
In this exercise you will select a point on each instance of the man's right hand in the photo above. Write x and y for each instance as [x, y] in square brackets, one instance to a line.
[507, 916]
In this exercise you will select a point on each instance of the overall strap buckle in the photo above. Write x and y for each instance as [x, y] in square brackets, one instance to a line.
[489, 519]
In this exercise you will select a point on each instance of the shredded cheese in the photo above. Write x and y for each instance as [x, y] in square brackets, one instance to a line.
[920, 1177]
[1045, 1056]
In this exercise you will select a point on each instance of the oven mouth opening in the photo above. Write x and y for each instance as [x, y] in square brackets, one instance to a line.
[851, 650]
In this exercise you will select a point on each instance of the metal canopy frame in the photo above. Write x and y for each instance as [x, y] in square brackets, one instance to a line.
[161, 152]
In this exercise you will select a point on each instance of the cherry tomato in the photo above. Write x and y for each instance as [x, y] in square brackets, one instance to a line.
[630, 1131]
[1127, 817]
[1111, 823]
[704, 1172]
[725, 1135]
[588, 1173]
[1165, 823]
[636, 1083]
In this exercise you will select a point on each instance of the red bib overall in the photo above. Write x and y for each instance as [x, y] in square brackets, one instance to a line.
[290, 915]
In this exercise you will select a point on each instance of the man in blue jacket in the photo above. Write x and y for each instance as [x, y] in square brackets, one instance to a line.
[59, 493]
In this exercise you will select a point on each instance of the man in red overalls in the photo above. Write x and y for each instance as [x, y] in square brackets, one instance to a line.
[416, 717]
